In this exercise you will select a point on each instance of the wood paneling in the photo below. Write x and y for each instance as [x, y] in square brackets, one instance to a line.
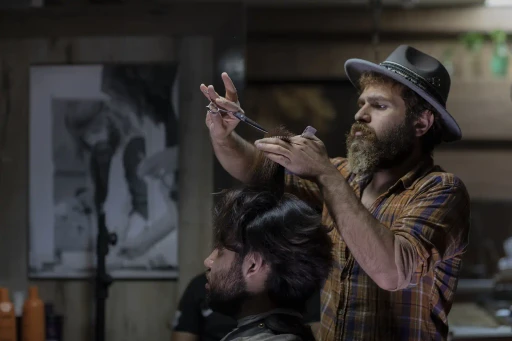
[325, 59]
[333, 19]
[309, 59]
[135, 310]
[483, 109]
[196, 17]
[487, 174]
[148, 18]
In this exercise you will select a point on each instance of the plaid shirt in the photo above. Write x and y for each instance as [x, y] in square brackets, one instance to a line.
[428, 207]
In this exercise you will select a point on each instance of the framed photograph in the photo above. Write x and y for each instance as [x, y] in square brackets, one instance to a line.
[103, 149]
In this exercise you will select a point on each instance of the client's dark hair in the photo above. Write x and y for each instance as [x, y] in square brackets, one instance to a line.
[261, 218]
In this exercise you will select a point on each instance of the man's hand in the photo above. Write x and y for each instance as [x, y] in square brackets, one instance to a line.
[159, 164]
[222, 124]
[303, 156]
[132, 249]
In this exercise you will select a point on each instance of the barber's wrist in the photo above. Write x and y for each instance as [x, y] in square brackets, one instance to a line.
[330, 174]
[224, 141]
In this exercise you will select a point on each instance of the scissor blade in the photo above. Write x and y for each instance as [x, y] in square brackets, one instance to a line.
[250, 122]
[257, 127]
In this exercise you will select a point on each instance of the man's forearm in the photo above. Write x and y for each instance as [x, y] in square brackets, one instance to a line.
[158, 230]
[236, 155]
[371, 243]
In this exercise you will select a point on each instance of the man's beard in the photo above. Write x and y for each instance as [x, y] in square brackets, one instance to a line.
[227, 290]
[367, 153]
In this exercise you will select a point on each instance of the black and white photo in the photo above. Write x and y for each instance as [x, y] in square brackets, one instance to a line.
[95, 132]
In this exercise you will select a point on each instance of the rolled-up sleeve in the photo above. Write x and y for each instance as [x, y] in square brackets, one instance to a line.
[433, 227]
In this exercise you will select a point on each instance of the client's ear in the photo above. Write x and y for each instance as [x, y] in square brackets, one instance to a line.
[255, 271]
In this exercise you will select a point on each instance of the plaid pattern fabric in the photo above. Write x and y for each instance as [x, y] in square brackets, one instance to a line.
[429, 208]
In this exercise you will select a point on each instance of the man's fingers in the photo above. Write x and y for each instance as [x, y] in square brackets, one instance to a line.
[231, 93]
[228, 105]
[212, 93]
[280, 159]
[216, 119]
[209, 92]
[273, 140]
[274, 148]
[204, 90]
[298, 140]
[311, 137]
[311, 141]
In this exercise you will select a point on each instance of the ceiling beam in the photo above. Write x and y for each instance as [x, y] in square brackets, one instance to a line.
[361, 3]
[441, 21]
[174, 19]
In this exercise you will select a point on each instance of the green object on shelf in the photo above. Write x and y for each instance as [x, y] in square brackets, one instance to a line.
[500, 54]
[473, 41]
[499, 64]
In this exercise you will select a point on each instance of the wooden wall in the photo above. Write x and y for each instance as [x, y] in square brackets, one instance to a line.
[300, 21]
[138, 310]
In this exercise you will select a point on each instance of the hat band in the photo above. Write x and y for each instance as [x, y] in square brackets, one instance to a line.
[416, 79]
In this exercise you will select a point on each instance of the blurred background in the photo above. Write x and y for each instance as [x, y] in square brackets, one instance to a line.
[286, 58]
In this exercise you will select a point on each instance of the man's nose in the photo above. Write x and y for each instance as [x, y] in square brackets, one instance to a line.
[362, 115]
[209, 260]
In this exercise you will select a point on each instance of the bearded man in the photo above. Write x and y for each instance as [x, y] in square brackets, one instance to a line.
[400, 223]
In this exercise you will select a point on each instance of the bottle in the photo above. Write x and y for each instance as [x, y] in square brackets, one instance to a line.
[53, 324]
[33, 317]
[18, 300]
[7, 317]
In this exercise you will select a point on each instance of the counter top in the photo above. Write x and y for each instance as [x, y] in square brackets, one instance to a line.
[471, 321]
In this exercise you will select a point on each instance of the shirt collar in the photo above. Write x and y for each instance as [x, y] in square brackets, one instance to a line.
[407, 181]
[253, 318]
[423, 167]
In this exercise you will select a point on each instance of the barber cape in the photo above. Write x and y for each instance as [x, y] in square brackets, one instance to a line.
[277, 324]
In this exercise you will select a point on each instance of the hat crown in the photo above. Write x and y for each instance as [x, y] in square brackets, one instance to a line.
[426, 68]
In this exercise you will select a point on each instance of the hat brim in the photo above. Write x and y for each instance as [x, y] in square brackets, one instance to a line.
[354, 68]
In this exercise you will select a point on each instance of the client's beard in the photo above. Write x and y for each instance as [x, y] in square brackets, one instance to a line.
[228, 291]
[367, 153]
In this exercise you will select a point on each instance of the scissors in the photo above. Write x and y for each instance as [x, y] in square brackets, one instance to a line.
[215, 109]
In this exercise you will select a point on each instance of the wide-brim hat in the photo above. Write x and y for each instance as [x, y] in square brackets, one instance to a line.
[418, 71]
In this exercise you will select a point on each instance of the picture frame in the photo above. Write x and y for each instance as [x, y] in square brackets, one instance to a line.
[103, 143]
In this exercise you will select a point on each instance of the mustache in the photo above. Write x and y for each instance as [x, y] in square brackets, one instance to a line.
[364, 130]
[361, 127]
